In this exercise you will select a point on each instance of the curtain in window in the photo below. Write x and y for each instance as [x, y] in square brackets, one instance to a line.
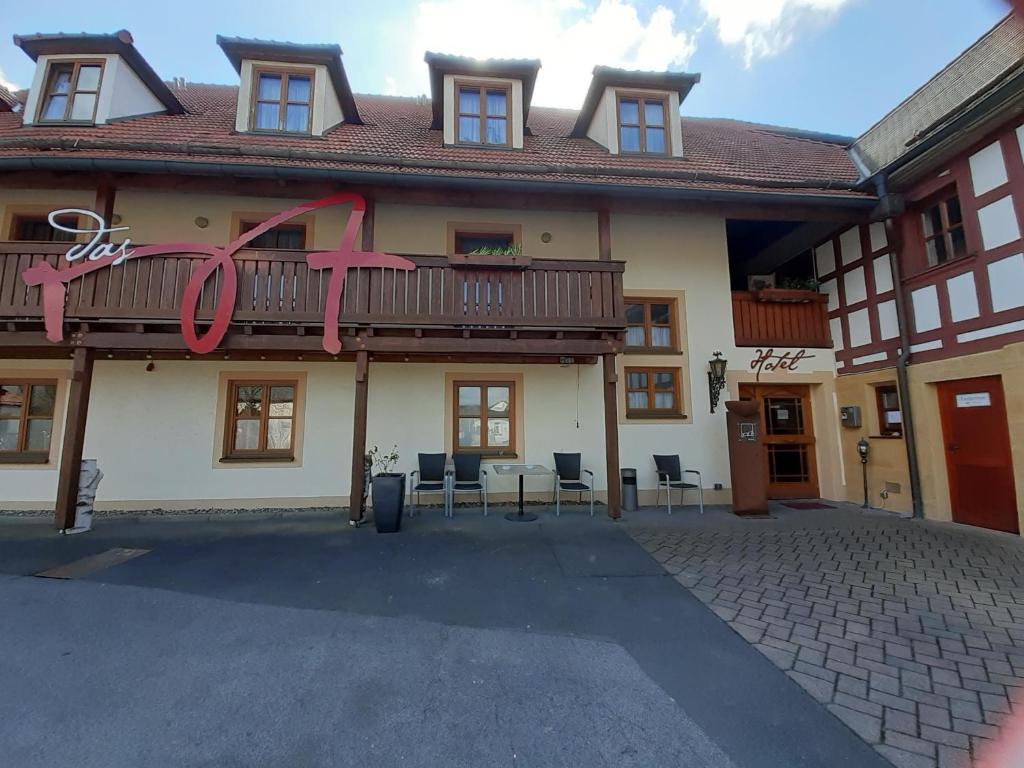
[635, 337]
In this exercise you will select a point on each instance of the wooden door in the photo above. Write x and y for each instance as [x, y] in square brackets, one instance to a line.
[788, 432]
[977, 447]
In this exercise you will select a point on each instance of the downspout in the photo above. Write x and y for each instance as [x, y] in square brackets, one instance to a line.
[892, 234]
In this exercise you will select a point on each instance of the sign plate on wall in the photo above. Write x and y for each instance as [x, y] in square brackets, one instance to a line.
[974, 400]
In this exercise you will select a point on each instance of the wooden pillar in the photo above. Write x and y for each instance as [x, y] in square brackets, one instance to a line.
[106, 192]
[359, 437]
[611, 436]
[604, 235]
[74, 440]
[367, 228]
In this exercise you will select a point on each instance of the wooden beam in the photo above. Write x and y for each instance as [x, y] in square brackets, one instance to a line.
[604, 235]
[367, 228]
[106, 193]
[359, 437]
[611, 436]
[74, 440]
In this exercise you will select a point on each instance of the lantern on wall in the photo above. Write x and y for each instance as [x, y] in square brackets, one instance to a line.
[716, 378]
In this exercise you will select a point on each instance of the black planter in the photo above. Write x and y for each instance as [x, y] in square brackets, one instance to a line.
[388, 491]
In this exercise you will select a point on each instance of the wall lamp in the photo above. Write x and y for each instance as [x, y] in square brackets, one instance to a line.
[863, 449]
[716, 378]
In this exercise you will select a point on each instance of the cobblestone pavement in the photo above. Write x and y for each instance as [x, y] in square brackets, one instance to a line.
[910, 632]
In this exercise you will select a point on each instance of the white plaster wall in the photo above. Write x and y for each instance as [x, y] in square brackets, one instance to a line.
[1006, 282]
[988, 170]
[963, 297]
[998, 223]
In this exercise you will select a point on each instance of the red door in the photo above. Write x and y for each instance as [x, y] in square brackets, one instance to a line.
[977, 443]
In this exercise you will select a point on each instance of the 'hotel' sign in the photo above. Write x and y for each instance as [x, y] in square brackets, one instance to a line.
[96, 255]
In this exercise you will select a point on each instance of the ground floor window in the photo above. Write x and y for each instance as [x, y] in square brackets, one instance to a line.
[653, 392]
[260, 420]
[485, 417]
[890, 418]
[26, 419]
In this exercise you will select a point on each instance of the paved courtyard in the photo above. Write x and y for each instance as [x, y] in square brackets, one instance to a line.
[910, 632]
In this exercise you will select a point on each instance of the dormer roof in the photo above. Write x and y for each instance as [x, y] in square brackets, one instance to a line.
[441, 64]
[326, 54]
[7, 100]
[604, 77]
[119, 43]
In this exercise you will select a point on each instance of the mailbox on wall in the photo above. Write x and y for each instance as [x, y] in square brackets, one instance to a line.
[849, 415]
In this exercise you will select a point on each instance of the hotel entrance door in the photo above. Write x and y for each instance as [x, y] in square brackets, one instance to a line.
[788, 437]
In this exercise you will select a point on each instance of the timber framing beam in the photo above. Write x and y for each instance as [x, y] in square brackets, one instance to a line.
[611, 436]
[359, 438]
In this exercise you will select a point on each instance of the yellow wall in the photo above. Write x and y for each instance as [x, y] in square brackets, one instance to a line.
[1008, 363]
[887, 460]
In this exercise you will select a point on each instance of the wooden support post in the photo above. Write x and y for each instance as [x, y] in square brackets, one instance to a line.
[74, 440]
[359, 437]
[367, 227]
[611, 436]
[106, 192]
[604, 235]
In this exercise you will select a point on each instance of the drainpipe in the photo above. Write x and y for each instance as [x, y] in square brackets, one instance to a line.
[892, 234]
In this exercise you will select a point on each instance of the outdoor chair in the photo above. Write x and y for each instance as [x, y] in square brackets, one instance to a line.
[568, 477]
[468, 477]
[670, 476]
[431, 477]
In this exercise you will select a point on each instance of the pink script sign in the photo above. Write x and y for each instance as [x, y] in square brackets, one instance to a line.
[54, 281]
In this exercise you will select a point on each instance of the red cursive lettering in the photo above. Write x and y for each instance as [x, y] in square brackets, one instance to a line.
[768, 360]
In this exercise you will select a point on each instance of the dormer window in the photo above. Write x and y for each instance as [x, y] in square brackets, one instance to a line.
[283, 101]
[642, 124]
[484, 113]
[72, 91]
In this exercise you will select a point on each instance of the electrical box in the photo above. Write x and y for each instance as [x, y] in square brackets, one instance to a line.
[850, 415]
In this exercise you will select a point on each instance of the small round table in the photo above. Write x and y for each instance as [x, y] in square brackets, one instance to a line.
[520, 469]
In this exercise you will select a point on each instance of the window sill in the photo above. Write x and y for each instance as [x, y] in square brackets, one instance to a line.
[283, 134]
[24, 458]
[656, 415]
[258, 458]
[885, 437]
[471, 145]
[652, 351]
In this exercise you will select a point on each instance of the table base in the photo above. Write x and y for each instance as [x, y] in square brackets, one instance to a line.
[520, 517]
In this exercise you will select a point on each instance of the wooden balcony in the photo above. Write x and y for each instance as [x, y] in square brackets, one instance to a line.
[795, 322]
[279, 296]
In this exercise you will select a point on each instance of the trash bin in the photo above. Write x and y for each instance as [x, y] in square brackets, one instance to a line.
[629, 501]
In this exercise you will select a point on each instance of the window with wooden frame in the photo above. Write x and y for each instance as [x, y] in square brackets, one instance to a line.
[942, 226]
[37, 228]
[484, 417]
[650, 325]
[643, 124]
[260, 420]
[890, 417]
[282, 101]
[484, 114]
[290, 236]
[71, 92]
[653, 392]
[26, 420]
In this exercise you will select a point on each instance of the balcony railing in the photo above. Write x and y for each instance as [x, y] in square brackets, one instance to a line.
[278, 287]
[799, 321]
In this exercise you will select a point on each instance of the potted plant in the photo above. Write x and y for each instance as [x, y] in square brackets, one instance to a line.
[387, 490]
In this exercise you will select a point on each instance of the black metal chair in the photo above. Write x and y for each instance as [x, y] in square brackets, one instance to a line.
[569, 477]
[468, 477]
[432, 478]
[670, 476]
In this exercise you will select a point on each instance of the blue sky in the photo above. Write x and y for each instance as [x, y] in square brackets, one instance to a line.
[827, 65]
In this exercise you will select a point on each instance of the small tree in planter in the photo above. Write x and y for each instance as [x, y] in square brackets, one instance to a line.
[387, 490]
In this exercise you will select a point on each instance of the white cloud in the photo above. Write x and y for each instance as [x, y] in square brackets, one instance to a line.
[766, 27]
[8, 84]
[567, 36]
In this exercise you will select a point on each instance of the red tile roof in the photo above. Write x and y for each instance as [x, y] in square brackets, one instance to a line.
[720, 155]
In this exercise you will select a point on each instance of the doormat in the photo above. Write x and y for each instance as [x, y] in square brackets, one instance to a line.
[807, 505]
[86, 565]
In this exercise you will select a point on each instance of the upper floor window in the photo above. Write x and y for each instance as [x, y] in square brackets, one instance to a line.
[72, 91]
[37, 228]
[643, 124]
[650, 325]
[291, 236]
[282, 101]
[484, 115]
[943, 227]
[890, 418]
